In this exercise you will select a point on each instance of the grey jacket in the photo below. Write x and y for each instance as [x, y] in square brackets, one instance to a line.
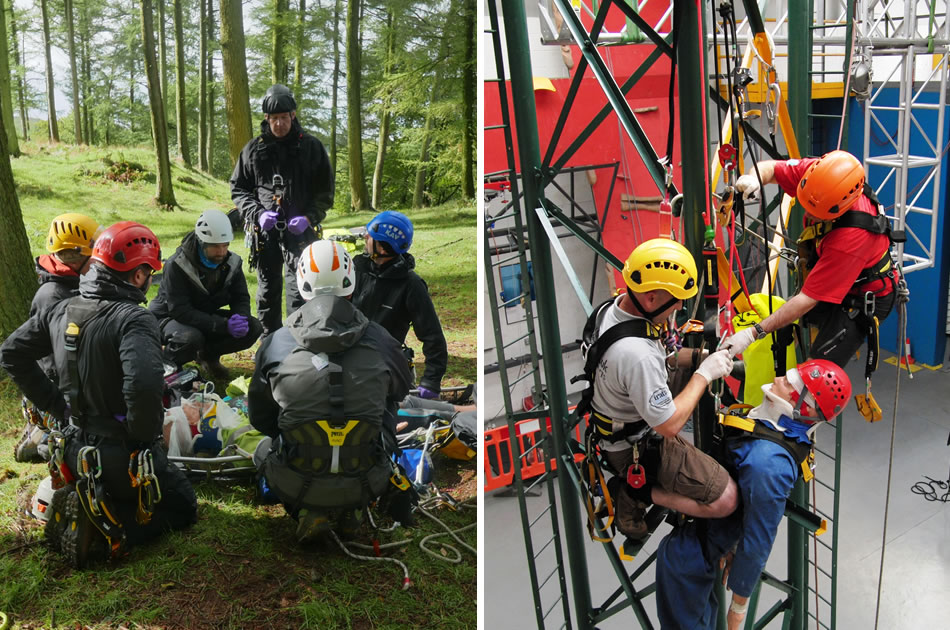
[291, 378]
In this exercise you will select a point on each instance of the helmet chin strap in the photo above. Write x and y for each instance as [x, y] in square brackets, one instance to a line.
[650, 314]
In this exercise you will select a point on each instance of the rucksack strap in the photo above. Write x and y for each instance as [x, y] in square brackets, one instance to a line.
[745, 428]
[80, 312]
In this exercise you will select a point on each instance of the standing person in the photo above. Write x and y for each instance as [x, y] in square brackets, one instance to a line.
[109, 359]
[283, 185]
[325, 389]
[69, 243]
[203, 307]
[845, 248]
[767, 449]
[391, 293]
[633, 411]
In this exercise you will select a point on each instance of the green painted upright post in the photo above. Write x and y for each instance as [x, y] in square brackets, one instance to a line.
[690, 51]
[799, 106]
[526, 125]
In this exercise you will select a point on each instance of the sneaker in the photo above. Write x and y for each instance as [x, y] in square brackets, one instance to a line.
[56, 523]
[311, 526]
[629, 513]
[81, 541]
[27, 449]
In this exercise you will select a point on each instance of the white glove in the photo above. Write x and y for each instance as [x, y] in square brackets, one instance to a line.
[738, 343]
[716, 365]
[748, 185]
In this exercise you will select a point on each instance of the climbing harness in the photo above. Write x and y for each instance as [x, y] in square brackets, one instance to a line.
[95, 501]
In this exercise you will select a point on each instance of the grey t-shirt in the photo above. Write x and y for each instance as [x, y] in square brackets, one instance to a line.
[630, 384]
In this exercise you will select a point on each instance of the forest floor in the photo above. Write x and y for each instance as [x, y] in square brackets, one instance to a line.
[239, 566]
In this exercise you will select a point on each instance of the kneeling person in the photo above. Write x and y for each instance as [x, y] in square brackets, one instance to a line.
[108, 357]
[325, 389]
[203, 306]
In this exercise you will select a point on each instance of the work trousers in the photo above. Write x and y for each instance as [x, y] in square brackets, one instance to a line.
[183, 343]
[275, 266]
[178, 507]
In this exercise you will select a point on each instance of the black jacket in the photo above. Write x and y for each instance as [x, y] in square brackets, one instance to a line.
[193, 294]
[288, 387]
[120, 360]
[395, 297]
[57, 282]
[302, 162]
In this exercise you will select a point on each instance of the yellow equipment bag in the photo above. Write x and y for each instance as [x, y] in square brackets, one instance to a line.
[759, 365]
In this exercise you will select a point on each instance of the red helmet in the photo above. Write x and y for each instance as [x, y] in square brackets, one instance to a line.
[831, 185]
[828, 388]
[126, 245]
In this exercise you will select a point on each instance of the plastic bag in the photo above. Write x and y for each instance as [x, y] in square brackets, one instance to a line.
[177, 433]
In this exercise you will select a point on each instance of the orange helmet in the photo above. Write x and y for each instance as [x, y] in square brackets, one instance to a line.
[831, 185]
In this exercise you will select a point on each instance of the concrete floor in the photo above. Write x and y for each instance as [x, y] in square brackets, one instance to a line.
[917, 560]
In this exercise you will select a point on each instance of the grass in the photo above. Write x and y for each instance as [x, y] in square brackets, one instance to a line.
[239, 567]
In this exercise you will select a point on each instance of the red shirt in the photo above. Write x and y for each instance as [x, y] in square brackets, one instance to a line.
[843, 252]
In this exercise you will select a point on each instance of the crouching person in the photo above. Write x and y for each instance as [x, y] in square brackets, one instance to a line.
[203, 306]
[325, 389]
[767, 450]
[117, 489]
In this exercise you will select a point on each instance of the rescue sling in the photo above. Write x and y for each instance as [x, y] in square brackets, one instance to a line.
[733, 427]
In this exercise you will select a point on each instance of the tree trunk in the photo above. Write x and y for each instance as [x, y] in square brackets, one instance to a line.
[182, 105]
[21, 90]
[418, 194]
[165, 196]
[132, 93]
[236, 92]
[88, 127]
[18, 280]
[73, 75]
[278, 54]
[384, 114]
[162, 56]
[50, 86]
[298, 61]
[359, 199]
[334, 109]
[6, 94]
[203, 89]
[469, 103]
[209, 146]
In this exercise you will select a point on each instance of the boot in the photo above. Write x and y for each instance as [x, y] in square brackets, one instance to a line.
[311, 526]
[28, 448]
[81, 541]
[57, 522]
[629, 513]
[212, 368]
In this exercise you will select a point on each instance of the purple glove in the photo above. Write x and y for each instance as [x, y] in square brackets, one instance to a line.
[297, 225]
[268, 220]
[237, 326]
[427, 393]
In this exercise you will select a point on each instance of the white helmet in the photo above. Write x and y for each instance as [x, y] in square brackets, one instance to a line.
[214, 227]
[325, 268]
[42, 498]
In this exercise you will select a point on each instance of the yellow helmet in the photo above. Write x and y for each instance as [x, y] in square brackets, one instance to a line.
[661, 263]
[72, 231]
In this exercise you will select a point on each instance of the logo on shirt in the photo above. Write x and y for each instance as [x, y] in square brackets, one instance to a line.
[792, 162]
[661, 398]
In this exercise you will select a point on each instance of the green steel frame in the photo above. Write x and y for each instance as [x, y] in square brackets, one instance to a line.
[533, 213]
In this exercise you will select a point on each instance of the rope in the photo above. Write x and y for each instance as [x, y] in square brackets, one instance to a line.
[902, 331]
[406, 582]
[847, 85]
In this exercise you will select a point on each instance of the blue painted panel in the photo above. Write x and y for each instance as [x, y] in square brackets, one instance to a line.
[927, 310]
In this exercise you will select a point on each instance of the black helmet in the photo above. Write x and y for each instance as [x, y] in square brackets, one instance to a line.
[278, 100]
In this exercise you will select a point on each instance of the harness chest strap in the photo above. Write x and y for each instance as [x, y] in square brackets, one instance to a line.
[801, 453]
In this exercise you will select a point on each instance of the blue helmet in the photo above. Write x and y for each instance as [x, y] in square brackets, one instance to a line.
[393, 228]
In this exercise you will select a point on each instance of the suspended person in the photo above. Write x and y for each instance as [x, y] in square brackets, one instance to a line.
[69, 243]
[203, 306]
[325, 389]
[633, 412]
[283, 185]
[850, 278]
[108, 356]
[767, 450]
[391, 293]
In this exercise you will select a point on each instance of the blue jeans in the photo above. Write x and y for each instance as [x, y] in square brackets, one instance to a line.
[688, 558]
